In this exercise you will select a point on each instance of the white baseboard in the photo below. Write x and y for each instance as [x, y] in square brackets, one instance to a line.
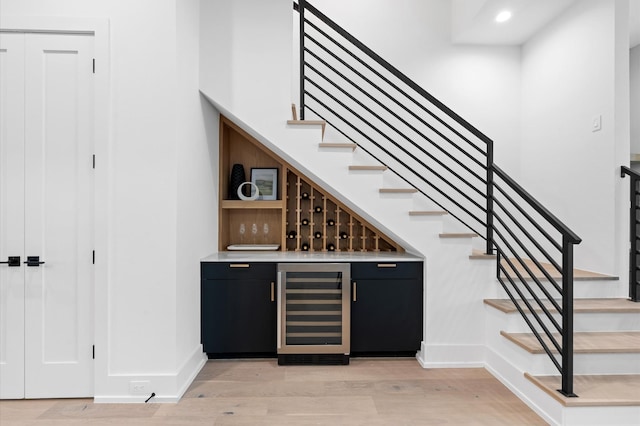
[168, 388]
[451, 356]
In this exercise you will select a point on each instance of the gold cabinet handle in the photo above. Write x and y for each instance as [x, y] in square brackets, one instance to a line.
[386, 265]
[273, 296]
[355, 287]
[238, 265]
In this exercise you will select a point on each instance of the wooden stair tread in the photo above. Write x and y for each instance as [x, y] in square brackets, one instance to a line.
[458, 235]
[578, 274]
[398, 190]
[579, 305]
[309, 123]
[593, 390]
[368, 167]
[428, 212]
[351, 146]
[477, 254]
[586, 342]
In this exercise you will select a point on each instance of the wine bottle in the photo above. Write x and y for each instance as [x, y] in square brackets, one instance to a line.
[344, 235]
[304, 222]
[305, 247]
[331, 247]
[331, 222]
[291, 234]
[317, 235]
[304, 195]
[318, 209]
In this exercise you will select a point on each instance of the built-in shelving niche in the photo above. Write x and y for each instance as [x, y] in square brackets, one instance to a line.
[301, 210]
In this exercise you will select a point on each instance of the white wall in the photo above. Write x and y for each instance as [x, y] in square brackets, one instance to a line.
[246, 58]
[153, 108]
[196, 152]
[568, 77]
[634, 69]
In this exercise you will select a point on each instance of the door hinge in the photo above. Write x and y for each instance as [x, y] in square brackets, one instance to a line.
[93, 257]
[94, 161]
[93, 354]
[94, 65]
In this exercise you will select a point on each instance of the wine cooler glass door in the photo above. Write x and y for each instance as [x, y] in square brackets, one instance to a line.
[313, 308]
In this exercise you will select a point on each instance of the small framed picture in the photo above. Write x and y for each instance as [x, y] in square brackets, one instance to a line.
[267, 182]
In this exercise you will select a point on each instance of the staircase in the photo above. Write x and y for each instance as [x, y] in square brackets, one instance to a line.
[606, 325]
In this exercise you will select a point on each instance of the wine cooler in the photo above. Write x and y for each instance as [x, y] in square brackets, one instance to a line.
[313, 313]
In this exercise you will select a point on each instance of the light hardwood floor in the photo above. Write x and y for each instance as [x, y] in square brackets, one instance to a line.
[259, 392]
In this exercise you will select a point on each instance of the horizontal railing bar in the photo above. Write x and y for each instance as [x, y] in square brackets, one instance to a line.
[531, 275]
[393, 128]
[464, 209]
[540, 229]
[543, 211]
[529, 323]
[397, 116]
[398, 103]
[472, 201]
[386, 65]
[395, 86]
[530, 237]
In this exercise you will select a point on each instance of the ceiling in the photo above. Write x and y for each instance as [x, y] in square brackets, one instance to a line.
[473, 20]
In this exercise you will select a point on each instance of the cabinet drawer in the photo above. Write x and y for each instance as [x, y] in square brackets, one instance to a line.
[386, 270]
[237, 270]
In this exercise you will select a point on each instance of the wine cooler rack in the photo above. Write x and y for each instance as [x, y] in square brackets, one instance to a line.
[316, 222]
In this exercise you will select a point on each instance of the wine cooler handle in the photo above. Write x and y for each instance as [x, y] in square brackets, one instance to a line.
[386, 265]
[279, 311]
[272, 291]
[355, 287]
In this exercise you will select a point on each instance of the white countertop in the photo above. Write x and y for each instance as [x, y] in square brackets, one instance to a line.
[302, 256]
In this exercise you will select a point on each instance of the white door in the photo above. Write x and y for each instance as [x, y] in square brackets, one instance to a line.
[11, 215]
[56, 221]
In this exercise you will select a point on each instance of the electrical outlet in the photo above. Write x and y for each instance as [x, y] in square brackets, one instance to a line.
[139, 387]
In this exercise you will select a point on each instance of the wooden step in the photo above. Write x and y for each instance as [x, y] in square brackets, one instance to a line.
[428, 212]
[593, 391]
[309, 123]
[458, 235]
[351, 146]
[578, 274]
[598, 306]
[368, 168]
[586, 342]
[398, 190]
[480, 255]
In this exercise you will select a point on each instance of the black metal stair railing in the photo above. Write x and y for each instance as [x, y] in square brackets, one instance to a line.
[430, 147]
[634, 232]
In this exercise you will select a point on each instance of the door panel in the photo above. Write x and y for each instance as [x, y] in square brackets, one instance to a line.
[11, 214]
[58, 212]
[46, 210]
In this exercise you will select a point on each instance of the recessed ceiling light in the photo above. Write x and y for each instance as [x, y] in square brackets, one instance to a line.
[503, 16]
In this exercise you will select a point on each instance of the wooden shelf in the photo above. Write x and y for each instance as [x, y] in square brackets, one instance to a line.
[258, 204]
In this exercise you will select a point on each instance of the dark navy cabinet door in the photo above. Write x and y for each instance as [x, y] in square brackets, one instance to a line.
[238, 310]
[386, 308]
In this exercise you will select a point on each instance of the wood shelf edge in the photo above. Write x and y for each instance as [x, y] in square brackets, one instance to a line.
[258, 204]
